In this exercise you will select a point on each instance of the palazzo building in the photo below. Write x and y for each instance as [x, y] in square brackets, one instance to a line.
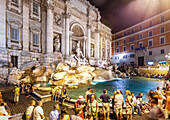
[48, 30]
[145, 43]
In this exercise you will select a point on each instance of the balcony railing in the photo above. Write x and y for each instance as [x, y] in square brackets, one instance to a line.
[139, 49]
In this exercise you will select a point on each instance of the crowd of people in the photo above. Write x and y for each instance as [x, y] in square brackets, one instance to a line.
[158, 104]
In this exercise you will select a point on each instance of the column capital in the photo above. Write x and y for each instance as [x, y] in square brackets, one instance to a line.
[89, 26]
[50, 4]
[26, 1]
[97, 30]
[66, 15]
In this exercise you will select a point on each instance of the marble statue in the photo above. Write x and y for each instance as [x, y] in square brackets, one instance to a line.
[79, 53]
[57, 43]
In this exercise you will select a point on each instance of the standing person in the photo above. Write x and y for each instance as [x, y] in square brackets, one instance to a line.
[22, 88]
[54, 115]
[87, 92]
[79, 103]
[58, 94]
[128, 105]
[156, 112]
[16, 96]
[64, 95]
[118, 100]
[92, 107]
[135, 105]
[38, 113]
[29, 111]
[105, 99]
[113, 104]
[77, 114]
[64, 115]
[90, 94]
[53, 94]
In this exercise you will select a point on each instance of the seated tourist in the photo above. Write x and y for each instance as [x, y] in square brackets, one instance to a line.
[140, 102]
[135, 105]
[80, 103]
[156, 112]
[77, 114]
[64, 115]
[54, 115]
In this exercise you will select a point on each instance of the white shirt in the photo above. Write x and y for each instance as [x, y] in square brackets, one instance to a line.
[133, 99]
[54, 115]
[119, 100]
[29, 110]
[38, 112]
[2, 110]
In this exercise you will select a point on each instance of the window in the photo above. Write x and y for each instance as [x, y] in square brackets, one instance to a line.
[117, 58]
[117, 36]
[162, 51]
[140, 27]
[140, 37]
[150, 52]
[162, 40]
[124, 33]
[117, 50]
[162, 19]
[15, 1]
[35, 39]
[124, 48]
[131, 47]
[132, 55]
[35, 8]
[150, 24]
[125, 56]
[124, 41]
[162, 30]
[117, 43]
[150, 33]
[132, 31]
[14, 61]
[140, 45]
[15, 34]
[132, 39]
[150, 43]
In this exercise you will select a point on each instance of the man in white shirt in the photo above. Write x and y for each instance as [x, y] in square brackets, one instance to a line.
[135, 105]
[38, 113]
[54, 115]
[30, 110]
[118, 104]
[3, 112]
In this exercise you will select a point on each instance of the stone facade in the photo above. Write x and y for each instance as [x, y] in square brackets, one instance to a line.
[30, 28]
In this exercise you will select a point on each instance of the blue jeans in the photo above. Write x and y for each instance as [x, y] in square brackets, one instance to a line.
[137, 107]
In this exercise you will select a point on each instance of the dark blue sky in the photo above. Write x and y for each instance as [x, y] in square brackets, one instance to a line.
[120, 14]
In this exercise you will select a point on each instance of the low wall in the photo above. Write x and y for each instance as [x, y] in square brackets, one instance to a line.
[154, 69]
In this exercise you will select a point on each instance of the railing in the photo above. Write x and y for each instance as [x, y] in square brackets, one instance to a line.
[138, 49]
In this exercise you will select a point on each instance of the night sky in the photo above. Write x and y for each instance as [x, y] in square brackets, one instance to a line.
[120, 14]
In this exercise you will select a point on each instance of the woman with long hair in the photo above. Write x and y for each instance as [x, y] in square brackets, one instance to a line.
[128, 105]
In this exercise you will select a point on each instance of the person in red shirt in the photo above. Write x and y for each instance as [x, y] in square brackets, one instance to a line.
[80, 104]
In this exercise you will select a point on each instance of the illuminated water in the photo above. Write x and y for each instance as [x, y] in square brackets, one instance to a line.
[135, 85]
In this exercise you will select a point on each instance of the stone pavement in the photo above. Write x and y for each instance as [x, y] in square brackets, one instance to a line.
[47, 107]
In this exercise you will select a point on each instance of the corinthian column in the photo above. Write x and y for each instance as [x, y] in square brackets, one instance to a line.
[88, 40]
[97, 37]
[67, 43]
[3, 23]
[106, 51]
[49, 27]
[25, 25]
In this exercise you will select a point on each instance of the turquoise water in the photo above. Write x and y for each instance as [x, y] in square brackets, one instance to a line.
[134, 84]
